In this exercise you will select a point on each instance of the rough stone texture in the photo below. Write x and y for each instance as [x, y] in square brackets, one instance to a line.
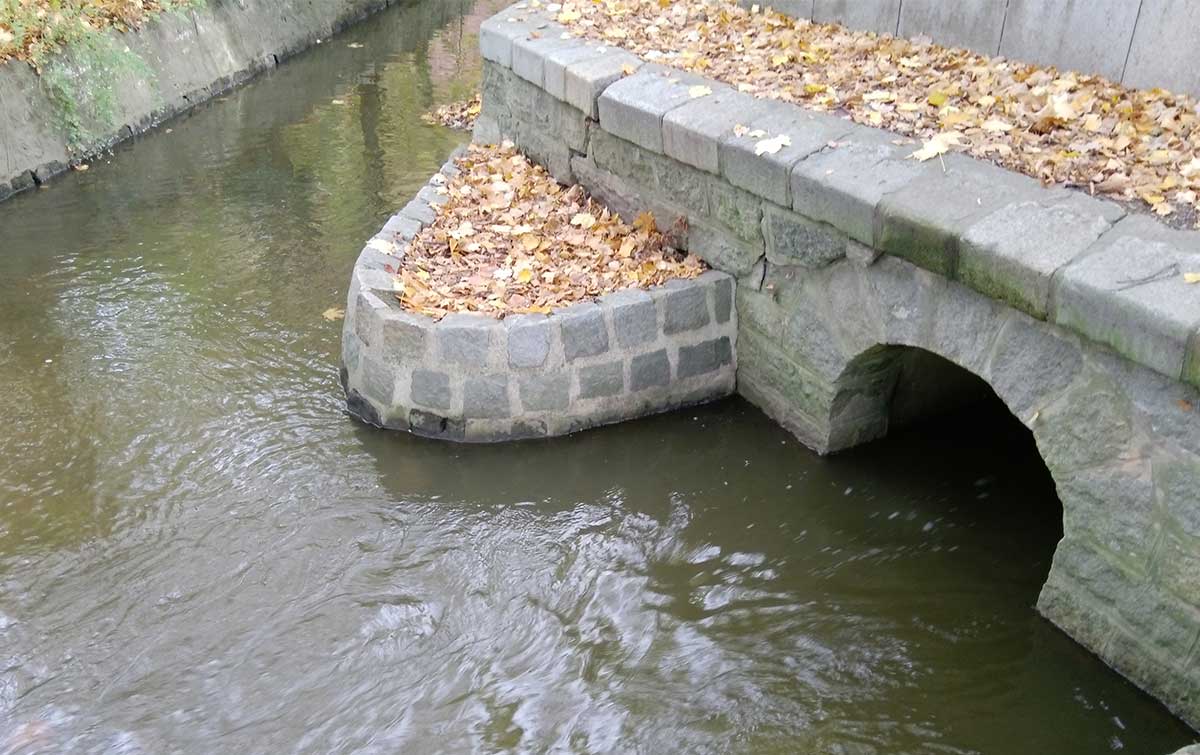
[1165, 28]
[632, 108]
[602, 380]
[584, 332]
[429, 388]
[586, 79]
[465, 339]
[1129, 294]
[843, 185]
[474, 379]
[872, 288]
[769, 175]
[486, 397]
[923, 221]
[528, 340]
[1092, 36]
[649, 371]
[794, 240]
[1012, 254]
[693, 131]
[191, 57]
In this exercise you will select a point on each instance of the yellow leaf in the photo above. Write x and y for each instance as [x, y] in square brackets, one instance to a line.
[584, 220]
[524, 275]
[772, 146]
[937, 99]
[333, 313]
[938, 145]
[1192, 278]
[815, 88]
[699, 91]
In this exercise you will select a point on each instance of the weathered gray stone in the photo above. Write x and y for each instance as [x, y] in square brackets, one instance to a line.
[794, 240]
[923, 220]
[880, 16]
[465, 339]
[486, 397]
[496, 36]
[1130, 294]
[737, 210]
[1191, 366]
[556, 62]
[651, 370]
[528, 53]
[722, 298]
[843, 185]
[685, 307]
[435, 426]
[431, 389]
[1092, 426]
[682, 185]
[367, 309]
[586, 79]
[403, 226]
[632, 108]
[974, 24]
[419, 211]
[1092, 37]
[768, 175]
[584, 333]
[404, 336]
[1175, 483]
[862, 255]
[1012, 254]
[1032, 366]
[721, 250]
[625, 160]
[602, 380]
[546, 392]
[430, 196]
[693, 131]
[378, 382]
[528, 340]
[704, 357]
[635, 318]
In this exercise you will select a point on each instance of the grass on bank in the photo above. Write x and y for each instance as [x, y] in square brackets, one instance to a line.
[33, 30]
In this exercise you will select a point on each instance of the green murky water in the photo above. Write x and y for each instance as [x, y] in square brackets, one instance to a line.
[200, 553]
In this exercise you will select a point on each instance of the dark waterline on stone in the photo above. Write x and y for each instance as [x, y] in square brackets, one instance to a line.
[200, 553]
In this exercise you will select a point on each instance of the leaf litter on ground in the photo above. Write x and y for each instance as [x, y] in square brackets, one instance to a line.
[510, 239]
[456, 115]
[1140, 146]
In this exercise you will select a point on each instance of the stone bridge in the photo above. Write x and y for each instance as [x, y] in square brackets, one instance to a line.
[870, 285]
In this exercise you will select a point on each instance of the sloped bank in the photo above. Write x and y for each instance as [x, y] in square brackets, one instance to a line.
[478, 379]
[118, 85]
[850, 258]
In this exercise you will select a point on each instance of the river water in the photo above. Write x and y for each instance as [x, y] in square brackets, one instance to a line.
[200, 553]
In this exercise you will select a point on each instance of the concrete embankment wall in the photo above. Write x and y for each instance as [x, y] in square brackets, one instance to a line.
[848, 256]
[1141, 43]
[118, 85]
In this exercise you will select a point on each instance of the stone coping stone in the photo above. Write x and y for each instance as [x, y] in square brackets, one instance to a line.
[474, 378]
[1053, 253]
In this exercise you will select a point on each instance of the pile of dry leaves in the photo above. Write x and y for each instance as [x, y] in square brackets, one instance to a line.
[456, 115]
[1060, 127]
[510, 239]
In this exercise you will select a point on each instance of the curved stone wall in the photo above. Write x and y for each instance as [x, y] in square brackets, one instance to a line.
[474, 378]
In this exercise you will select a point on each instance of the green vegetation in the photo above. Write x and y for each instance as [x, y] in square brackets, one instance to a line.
[33, 30]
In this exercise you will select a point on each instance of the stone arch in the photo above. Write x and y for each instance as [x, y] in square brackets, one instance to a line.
[824, 352]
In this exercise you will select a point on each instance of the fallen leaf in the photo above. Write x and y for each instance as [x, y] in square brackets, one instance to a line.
[772, 146]
[333, 313]
[698, 91]
[938, 145]
[1192, 278]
